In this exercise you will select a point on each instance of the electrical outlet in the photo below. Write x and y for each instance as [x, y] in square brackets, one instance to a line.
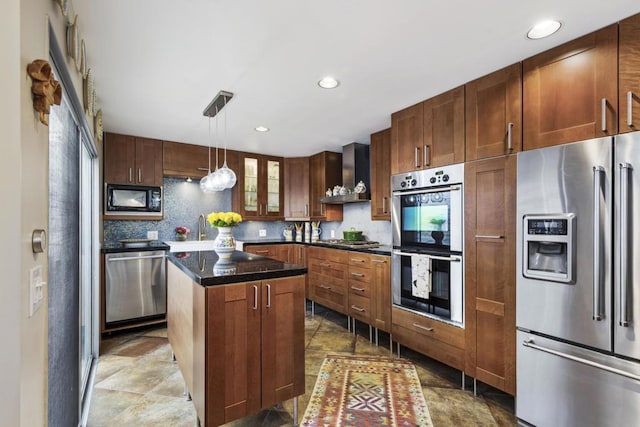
[333, 234]
[262, 233]
[36, 289]
[152, 235]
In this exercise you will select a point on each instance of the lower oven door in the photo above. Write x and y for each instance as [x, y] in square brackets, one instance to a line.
[429, 284]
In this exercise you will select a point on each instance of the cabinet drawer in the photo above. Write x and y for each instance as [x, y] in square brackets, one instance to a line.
[360, 285]
[422, 325]
[360, 308]
[329, 283]
[330, 296]
[436, 349]
[327, 268]
[326, 254]
[359, 259]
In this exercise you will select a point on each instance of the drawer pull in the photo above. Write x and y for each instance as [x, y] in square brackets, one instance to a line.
[379, 261]
[356, 308]
[489, 236]
[357, 260]
[325, 287]
[357, 274]
[262, 252]
[325, 264]
[423, 327]
[355, 288]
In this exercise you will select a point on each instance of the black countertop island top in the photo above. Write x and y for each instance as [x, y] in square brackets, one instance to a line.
[205, 267]
[114, 247]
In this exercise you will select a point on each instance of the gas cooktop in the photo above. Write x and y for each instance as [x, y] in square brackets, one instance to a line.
[364, 244]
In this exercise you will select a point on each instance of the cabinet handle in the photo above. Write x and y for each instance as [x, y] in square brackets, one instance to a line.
[357, 274]
[262, 252]
[260, 209]
[355, 288]
[130, 174]
[357, 260]
[306, 209]
[325, 287]
[139, 174]
[416, 156]
[604, 114]
[356, 308]
[630, 109]
[379, 261]
[427, 155]
[488, 236]
[384, 204]
[423, 327]
[268, 295]
[321, 209]
[509, 138]
[325, 264]
[255, 297]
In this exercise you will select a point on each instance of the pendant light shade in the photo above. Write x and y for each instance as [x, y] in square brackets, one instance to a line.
[224, 177]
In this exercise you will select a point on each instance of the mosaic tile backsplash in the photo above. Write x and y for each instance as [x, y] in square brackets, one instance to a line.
[184, 202]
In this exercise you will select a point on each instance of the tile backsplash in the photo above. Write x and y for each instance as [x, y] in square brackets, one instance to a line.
[184, 202]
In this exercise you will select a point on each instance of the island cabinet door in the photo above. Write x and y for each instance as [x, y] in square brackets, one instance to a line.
[283, 305]
[232, 352]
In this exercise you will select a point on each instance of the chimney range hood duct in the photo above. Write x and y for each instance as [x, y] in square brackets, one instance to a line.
[355, 168]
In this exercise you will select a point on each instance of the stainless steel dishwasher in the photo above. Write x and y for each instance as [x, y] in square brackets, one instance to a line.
[135, 285]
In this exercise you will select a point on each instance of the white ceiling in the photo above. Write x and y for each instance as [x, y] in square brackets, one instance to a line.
[157, 64]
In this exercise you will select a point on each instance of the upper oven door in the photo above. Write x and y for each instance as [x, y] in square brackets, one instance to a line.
[428, 218]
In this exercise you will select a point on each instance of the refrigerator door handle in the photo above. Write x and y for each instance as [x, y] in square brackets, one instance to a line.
[531, 344]
[623, 265]
[597, 242]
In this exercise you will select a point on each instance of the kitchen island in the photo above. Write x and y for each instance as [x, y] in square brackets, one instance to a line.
[237, 331]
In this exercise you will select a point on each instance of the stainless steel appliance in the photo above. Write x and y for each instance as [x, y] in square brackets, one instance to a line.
[577, 298]
[427, 233]
[135, 285]
[132, 200]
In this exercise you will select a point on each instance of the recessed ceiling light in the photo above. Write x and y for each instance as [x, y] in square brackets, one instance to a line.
[328, 83]
[261, 129]
[543, 29]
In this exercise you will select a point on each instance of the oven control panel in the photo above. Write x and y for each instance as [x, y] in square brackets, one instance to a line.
[428, 178]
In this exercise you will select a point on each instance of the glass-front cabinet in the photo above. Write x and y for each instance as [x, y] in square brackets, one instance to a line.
[262, 187]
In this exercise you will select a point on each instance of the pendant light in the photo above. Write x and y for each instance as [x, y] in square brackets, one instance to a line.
[210, 182]
[227, 176]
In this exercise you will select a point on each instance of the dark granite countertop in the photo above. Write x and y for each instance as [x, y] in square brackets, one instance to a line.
[204, 267]
[380, 250]
[112, 247]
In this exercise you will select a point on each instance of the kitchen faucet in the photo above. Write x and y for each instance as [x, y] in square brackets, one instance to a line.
[201, 227]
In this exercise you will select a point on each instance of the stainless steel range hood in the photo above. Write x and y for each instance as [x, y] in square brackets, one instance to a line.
[355, 168]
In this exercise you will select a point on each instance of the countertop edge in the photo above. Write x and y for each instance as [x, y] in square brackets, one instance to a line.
[381, 250]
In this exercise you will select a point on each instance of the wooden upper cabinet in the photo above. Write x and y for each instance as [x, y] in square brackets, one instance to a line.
[325, 171]
[296, 188]
[443, 129]
[380, 151]
[186, 160]
[429, 134]
[570, 92]
[490, 276]
[407, 139]
[260, 193]
[132, 160]
[629, 74]
[494, 114]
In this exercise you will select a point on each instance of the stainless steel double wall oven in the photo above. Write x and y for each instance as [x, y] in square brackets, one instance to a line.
[427, 227]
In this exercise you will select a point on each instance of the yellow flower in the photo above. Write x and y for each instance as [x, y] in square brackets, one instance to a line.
[224, 219]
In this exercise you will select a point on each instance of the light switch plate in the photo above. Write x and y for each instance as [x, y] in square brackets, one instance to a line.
[36, 289]
[152, 235]
[262, 233]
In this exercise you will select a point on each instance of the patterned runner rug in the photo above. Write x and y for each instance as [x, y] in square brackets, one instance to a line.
[366, 391]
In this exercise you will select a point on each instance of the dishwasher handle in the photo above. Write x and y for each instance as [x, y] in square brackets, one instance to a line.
[133, 258]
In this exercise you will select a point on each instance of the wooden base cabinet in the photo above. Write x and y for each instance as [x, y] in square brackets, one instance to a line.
[328, 276]
[490, 289]
[245, 341]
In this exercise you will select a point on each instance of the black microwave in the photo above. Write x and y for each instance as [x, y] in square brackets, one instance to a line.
[123, 199]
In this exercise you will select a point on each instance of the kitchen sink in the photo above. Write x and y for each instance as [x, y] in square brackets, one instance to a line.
[189, 245]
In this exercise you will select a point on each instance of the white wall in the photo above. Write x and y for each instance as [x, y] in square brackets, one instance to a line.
[24, 193]
[10, 233]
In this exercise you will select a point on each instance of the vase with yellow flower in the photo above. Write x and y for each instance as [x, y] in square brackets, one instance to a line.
[224, 243]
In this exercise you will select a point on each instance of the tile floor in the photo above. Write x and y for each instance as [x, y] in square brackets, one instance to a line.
[137, 384]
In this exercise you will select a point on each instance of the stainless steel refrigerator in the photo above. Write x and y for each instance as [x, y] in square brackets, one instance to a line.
[578, 284]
